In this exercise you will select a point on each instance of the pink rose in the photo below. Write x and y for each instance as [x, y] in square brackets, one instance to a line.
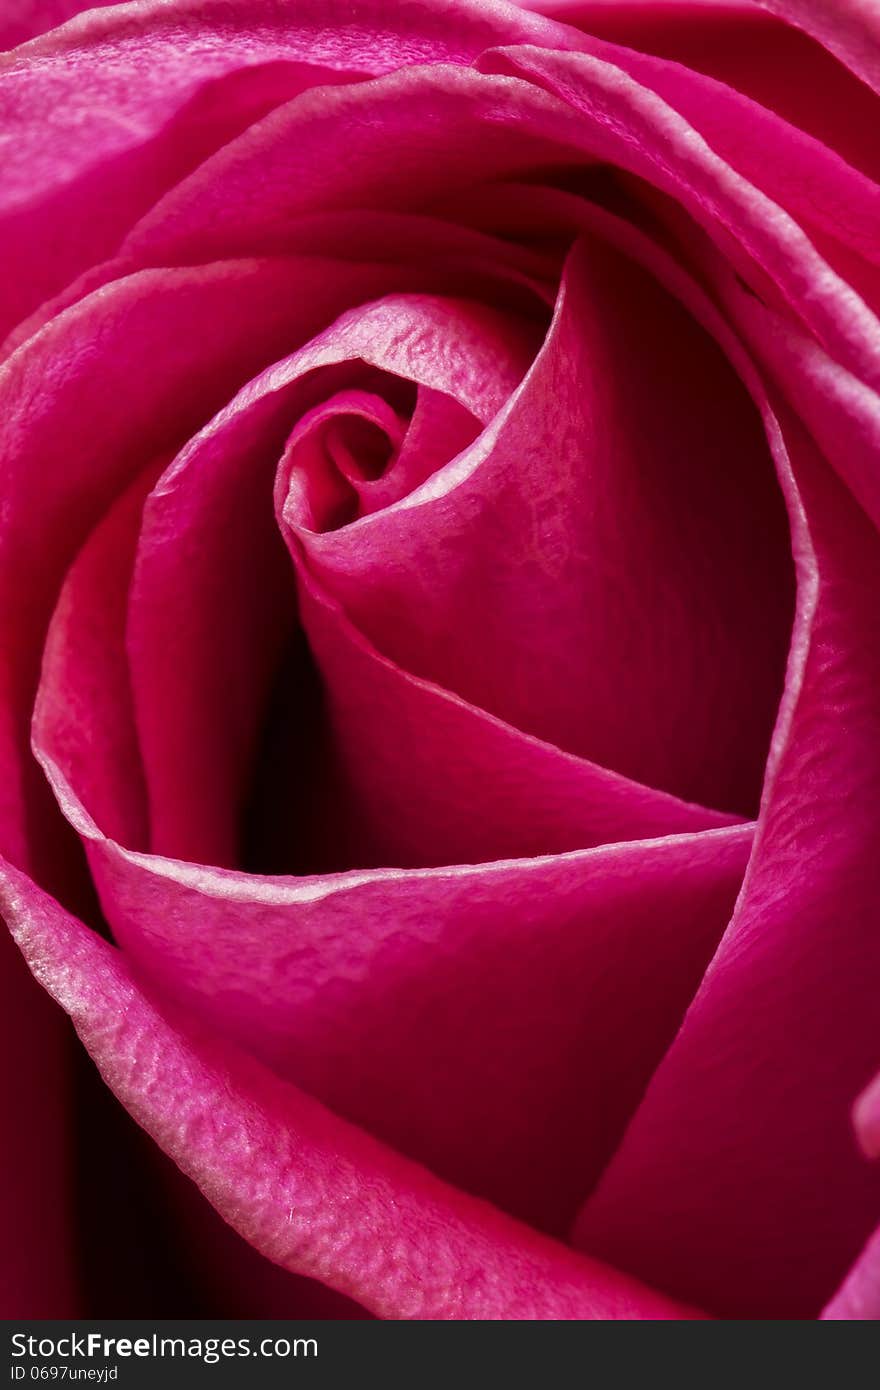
[440, 676]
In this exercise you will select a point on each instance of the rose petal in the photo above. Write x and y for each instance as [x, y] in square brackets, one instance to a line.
[82, 713]
[755, 53]
[490, 801]
[156, 1248]
[361, 986]
[506, 129]
[635, 129]
[476, 364]
[447, 127]
[826, 196]
[131, 895]
[142, 365]
[749, 1181]
[115, 107]
[841, 412]
[427, 254]
[354, 455]
[503, 794]
[396, 796]
[200, 691]
[738, 1143]
[803, 174]
[313, 1193]
[578, 561]
[24, 19]
[849, 28]
[219, 111]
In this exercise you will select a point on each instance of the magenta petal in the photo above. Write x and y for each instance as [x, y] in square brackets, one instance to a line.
[805, 176]
[726, 1176]
[359, 986]
[409, 137]
[422, 253]
[740, 1161]
[142, 365]
[841, 412]
[406, 801]
[398, 797]
[502, 793]
[44, 265]
[848, 28]
[435, 118]
[201, 688]
[212, 557]
[339, 450]
[310, 1191]
[24, 19]
[439, 430]
[750, 50]
[117, 106]
[354, 455]
[228, 1276]
[594, 1021]
[635, 129]
[573, 563]
[83, 718]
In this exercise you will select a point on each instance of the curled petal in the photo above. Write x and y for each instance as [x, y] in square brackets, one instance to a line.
[115, 107]
[358, 986]
[738, 1143]
[311, 1192]
[849, 28]
[634, 595]
[631, 125]
[142, 364]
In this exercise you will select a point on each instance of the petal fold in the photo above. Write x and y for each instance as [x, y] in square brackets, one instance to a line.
[312, 1193]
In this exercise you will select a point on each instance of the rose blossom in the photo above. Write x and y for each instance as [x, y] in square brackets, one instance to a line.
[440, 677]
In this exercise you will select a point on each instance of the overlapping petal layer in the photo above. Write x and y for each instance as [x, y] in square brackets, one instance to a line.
[745, 1140]
[89, 121]
[591, 910]
[524, 642]
[752, 46]
[614, 567]
[143, 366]
[309, 1191]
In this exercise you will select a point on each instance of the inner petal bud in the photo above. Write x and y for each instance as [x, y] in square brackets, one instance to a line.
[362, 450]
[335, 455]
